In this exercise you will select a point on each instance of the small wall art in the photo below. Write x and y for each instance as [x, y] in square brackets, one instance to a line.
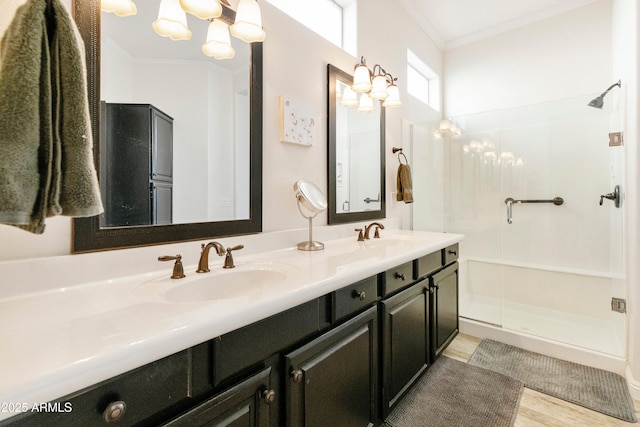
[297, 122]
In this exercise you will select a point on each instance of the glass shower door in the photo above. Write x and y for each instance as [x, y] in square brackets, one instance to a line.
[553, 271]
[558, 266]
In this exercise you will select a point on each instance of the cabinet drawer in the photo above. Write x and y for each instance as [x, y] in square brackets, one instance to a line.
[245, 347]
[428, 264]
[397, 278]
[146, 393]
[353, 298]
[450, 254]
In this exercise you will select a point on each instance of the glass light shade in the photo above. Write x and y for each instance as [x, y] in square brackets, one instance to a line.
[393, 100]
[366, 104]
[379, 87]
[218, 42]
[248, 24]
[172, 21]
[119, 7]
[349, 98]
[361, 79]
[203, 9]
[445, 126]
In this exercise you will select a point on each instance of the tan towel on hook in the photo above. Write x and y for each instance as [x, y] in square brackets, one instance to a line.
[46, 146]
[403, 184]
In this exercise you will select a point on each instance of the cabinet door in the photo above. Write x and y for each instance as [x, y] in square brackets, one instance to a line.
[162, 146]
[405, 339]
[332, 380]
[161, 203]
[444, 288]
[247, 404]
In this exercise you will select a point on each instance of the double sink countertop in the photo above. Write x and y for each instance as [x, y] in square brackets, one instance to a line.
[60, 339]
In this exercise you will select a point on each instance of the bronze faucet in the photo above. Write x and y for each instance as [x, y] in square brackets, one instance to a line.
[228, 260]
[376, 235]
[178, 271]
[203, 264]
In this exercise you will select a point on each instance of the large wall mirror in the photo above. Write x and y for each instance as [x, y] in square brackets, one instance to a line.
[182, 128]
[356, 142]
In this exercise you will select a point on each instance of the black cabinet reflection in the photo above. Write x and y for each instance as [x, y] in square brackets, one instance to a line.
[136, 165]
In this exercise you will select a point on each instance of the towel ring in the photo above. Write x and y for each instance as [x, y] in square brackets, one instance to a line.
[395, 150]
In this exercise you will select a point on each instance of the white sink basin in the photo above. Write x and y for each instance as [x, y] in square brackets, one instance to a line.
[244, 281]
[233, 284]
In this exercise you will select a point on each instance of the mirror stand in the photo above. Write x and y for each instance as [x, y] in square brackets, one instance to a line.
[310, 245]
[310, 196]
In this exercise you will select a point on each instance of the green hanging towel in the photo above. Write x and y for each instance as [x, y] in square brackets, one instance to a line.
[46, 145]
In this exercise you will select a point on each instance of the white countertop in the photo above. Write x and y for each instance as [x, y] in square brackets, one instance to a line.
[60, 339]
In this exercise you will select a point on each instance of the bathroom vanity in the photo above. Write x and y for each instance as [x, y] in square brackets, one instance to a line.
[364, 322]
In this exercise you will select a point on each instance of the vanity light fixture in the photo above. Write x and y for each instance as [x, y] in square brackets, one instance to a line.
[172, 21]
[378, 84]
[393, 100]
[366, 104]
[218, 44]
[248, 24]
[361, 77]
[203, 9]
[119, 7]
[349, 97]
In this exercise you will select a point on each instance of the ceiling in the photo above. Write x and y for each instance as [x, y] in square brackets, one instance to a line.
[453, 23]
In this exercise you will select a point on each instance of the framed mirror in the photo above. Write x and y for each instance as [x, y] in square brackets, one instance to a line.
[356, 142]
[203, 171]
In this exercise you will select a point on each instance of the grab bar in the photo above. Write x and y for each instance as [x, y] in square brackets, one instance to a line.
[509, 201]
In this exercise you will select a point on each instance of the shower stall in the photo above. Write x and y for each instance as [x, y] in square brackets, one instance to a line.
[529, 266]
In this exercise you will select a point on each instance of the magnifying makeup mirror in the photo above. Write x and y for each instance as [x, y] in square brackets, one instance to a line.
[309, 196]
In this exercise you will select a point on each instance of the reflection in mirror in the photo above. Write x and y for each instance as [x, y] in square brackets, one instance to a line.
[356, 154]
[174, 120]
[194, 122]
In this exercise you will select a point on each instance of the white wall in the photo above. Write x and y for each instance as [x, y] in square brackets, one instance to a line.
[295, 64]
[563, 56]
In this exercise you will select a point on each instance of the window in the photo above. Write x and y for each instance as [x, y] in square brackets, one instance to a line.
[335, 20]
[422, 82]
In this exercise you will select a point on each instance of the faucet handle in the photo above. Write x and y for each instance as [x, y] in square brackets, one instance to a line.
[228, 259]
[178, 270]
[360, 235]
[376, 234]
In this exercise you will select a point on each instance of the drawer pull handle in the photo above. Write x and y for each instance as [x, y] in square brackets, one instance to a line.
[269, 396]
[401, 276]
[296, 375]
[452, 252]
[114, 411]
[360, 295]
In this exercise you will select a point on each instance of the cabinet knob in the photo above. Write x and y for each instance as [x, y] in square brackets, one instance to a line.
[402, 276]
[269, 396]
[114, 411]
[361, 295]
[296, 375]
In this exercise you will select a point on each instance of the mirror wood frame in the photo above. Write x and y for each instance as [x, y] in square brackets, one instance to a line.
[87, 236]
[333, 74]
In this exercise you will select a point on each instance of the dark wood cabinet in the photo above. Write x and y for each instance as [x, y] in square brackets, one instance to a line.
[443, 287]
[332, 381]
[405, 342]
[136, 165]
[344, 359]
[249, 403]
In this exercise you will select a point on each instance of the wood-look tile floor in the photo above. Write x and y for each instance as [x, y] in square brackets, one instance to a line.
[537, 409]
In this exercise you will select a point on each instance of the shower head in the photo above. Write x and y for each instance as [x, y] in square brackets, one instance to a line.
[599, 101]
